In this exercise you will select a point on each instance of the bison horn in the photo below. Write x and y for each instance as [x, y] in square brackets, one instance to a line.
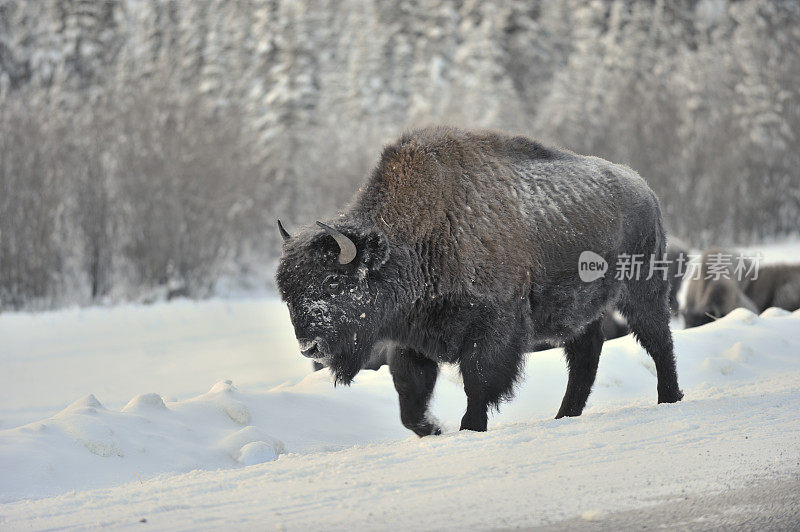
[284, 233]
[347, 250]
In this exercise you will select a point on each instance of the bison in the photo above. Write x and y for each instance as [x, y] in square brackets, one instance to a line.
[463, 247]
[717, 288]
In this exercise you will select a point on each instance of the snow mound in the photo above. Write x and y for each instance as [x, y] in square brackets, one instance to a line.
[251, 445]
[742, 315]
[144, 402]
[775, 312]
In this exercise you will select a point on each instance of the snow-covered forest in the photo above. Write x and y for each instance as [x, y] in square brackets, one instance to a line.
[148, 146]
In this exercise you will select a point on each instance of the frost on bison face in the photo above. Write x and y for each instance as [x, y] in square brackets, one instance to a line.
[333, 294]
[463, 248]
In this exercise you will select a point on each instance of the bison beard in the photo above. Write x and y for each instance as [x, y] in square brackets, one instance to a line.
[462, 248]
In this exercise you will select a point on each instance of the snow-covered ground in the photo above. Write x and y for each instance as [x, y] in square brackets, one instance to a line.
[165, 438]
[178, 349]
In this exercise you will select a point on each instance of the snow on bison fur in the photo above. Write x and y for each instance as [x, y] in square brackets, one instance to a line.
[462, 247]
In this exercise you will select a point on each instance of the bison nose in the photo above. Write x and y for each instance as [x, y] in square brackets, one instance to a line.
[310, 348]
[303, 330]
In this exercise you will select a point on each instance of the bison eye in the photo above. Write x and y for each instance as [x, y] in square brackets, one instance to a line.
[331, 284]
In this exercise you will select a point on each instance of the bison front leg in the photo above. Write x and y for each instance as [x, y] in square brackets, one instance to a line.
[476, 416]
[414, 378]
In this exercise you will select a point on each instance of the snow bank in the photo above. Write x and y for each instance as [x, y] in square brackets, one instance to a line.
[515, 475]
[89, 445]
[178, 349]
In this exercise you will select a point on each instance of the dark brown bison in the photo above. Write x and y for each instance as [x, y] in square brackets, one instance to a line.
[463, 247]
[719, 286]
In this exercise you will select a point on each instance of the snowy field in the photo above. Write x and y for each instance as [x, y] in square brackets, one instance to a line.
[204, 415]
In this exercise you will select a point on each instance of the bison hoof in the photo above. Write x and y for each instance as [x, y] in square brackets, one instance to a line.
[569, 412]
[671, 396]
[476, 426]
[474, 429]
[428, 429]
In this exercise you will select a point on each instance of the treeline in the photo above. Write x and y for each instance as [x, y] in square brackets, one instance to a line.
[119, 194]
[147, 147]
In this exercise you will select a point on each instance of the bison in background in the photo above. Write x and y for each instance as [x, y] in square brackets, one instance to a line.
[463, 247]
[710, 297]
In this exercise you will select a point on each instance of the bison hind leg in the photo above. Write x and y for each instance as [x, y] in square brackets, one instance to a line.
[647, 312]
[583, 355]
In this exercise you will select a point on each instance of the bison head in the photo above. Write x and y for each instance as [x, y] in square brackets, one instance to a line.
[332, 281]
